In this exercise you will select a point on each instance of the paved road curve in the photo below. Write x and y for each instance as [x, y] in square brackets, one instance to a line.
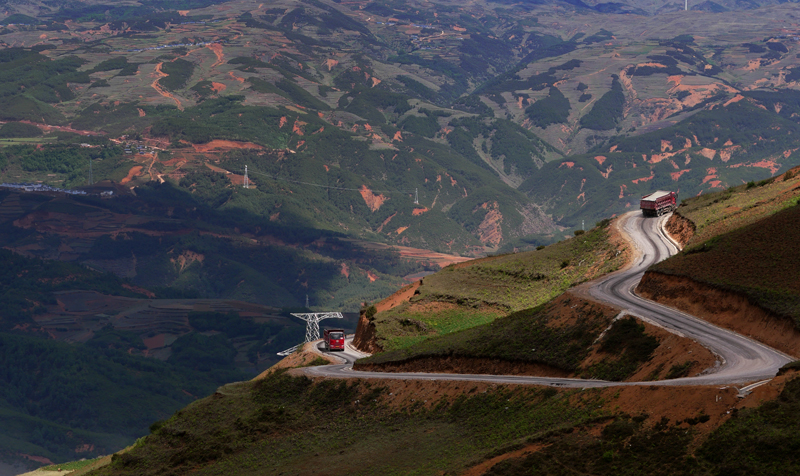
[739, 359]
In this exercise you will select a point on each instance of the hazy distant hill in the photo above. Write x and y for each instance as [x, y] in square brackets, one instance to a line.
[379, 100]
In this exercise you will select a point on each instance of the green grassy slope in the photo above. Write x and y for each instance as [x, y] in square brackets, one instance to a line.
[548, 335]
[477, 292]
[757, 260]
[344, 427]
[754, 441]
[289, 424]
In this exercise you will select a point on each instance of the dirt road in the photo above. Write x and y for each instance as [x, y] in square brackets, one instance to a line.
[741, 359]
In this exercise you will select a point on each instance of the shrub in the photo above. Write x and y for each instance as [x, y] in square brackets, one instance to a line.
[578, 232]
[679, 370]
[370, 313]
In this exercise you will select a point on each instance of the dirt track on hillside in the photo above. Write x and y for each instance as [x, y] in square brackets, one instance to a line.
[160, 90]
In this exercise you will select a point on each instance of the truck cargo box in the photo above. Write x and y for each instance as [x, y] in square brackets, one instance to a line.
[658, 203]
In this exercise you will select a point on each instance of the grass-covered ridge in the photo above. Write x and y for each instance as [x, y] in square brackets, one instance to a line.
[523, 336]
[757, 260]
[477, 292]
[294, 425]
[348, 428]
[743, 240]
[715, 213]
[556, 338]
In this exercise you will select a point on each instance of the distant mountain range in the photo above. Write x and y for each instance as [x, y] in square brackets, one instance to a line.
[274, 153]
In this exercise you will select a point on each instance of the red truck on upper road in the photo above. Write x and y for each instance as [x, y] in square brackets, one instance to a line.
[333, 339]
[658, 203]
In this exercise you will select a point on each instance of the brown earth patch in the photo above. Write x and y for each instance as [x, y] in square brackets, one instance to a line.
[418, 211]
[366, 338]
[218, 87]
[373, 201]
[724, 308]
[485, 466]
[489, 231]
[680, 228]
[186, 259]
[223, 145]
[133, 172]
[708, 153]
[217, 49]
[403, 295]
[160, 90]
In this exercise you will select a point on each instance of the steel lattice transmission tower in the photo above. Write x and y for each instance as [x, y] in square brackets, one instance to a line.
[246, 179]
[312, 322]
[312, 326]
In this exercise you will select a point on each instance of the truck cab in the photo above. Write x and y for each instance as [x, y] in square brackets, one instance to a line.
[333, 339]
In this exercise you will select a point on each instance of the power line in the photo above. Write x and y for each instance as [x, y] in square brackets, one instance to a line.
[274, 177]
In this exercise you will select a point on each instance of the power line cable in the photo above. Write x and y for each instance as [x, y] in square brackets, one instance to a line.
[330, 187]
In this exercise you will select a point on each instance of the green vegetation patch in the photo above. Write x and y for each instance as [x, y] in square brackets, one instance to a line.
[758, 441]
[553, 109]
[179, 71]
[719, 212]
[270, 426]
[523, 280]
[626, 446]
[231, 121]
[607, 111]
[530, 336]
[71, 466]
[19, 129]
[630, 347]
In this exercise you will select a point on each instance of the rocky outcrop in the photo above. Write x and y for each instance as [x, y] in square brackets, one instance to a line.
[365, 339]
[723, 308]
[681, 228]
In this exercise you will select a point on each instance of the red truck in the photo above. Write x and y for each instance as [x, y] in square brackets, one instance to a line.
[658, 203]
[334, 339]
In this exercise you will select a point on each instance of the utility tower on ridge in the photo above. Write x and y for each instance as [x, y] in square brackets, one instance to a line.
[246, 180]
[312, 326]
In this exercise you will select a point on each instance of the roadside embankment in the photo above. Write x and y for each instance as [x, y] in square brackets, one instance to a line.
[721, 307]
[305, 357]
[567, 337]
[680, 228]
[366, 338]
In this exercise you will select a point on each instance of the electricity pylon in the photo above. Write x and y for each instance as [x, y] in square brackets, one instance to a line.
[312, 326]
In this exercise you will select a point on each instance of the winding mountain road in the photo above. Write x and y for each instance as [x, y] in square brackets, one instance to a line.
[739, 359]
